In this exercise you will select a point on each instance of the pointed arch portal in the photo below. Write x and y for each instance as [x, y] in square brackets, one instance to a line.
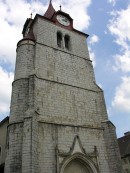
[75, 166]
[78, 164]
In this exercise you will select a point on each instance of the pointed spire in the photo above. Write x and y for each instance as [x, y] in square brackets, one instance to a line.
[50, 11]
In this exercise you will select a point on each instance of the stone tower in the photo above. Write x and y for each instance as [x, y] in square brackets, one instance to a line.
[58, 119]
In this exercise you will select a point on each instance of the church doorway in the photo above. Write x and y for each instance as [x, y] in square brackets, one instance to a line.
[76, 166]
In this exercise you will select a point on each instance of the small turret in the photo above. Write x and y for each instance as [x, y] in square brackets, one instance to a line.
[27, 30]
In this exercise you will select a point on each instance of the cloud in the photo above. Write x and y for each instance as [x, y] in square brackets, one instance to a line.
[122, 96]
[11, 22]
[113, 2]
[94, 39]
[5, 91]
[122, 62]
[119, 27]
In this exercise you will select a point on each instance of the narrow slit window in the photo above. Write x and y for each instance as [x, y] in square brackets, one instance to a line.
[67, 42]
[59, 39]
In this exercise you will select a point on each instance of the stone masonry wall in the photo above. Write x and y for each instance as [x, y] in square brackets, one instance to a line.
[24, 59]
[66, 104]
[64, 67]
[27, 146]
[19, 100]
[14, 154]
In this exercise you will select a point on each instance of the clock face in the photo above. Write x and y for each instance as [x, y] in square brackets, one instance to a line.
[63, 20]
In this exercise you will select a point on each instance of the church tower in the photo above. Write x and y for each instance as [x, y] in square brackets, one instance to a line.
[58, 119]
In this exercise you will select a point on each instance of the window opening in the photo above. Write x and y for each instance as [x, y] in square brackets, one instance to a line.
[59, 39]
[67, 42]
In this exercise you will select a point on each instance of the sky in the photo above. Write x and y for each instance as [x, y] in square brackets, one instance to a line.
[107, 22]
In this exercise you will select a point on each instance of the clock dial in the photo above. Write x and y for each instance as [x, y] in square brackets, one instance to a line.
[63, 20]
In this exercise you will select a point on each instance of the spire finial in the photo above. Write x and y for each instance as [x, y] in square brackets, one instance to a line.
[60, 8]
[31, 15]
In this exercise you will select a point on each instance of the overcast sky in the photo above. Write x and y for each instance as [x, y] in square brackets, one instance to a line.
[108, 24]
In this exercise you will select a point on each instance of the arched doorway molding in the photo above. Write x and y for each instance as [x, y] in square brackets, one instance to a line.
[82, 159]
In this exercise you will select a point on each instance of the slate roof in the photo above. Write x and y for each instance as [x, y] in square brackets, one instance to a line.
[124, 145]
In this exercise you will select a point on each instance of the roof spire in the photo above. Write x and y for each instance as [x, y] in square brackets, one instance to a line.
[50, 11]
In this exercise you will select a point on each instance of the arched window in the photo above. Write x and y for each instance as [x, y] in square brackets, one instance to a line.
[67, 42]
[59, 39]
